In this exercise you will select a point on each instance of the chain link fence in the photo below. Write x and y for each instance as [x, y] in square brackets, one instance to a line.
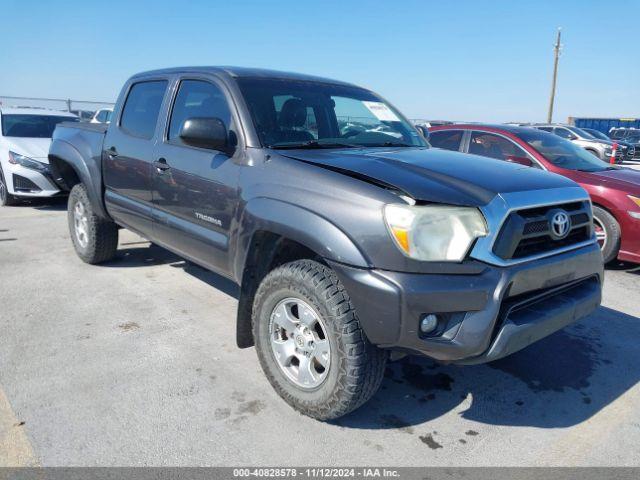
[83, 108]
[86, 108]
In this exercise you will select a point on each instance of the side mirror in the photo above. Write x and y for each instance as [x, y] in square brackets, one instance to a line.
[520, 160]
[424, 131]
[205, 132]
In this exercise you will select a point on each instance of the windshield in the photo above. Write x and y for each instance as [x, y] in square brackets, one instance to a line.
[563, 153]
[632, 137]
[31, 126]
[597, 134]
[580, 132]
[294, 114]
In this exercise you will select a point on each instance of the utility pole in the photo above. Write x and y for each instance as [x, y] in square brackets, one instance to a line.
[556, 55]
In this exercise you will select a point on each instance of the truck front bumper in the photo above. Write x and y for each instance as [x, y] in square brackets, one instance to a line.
[481, 317]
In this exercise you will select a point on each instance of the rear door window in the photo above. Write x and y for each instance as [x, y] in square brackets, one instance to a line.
[447, 139]
[563, 132]
[142, 107]
[494, 146]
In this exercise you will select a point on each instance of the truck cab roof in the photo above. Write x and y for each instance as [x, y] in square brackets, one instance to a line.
[243, 72]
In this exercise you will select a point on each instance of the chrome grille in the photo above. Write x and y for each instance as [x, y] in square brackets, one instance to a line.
[528, 232]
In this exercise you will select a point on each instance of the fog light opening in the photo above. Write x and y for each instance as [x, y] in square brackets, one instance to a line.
[429, 323]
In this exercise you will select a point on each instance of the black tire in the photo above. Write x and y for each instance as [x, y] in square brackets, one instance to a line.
[6, 199]
[101, 234]
[611, 228]
[356, 366]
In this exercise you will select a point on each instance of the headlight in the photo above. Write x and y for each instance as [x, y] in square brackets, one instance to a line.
[17, 159]
[635, 200]
[608, 150]
[434, 232]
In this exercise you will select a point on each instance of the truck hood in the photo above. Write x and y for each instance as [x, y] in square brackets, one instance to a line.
[434, 175]
[36, 148]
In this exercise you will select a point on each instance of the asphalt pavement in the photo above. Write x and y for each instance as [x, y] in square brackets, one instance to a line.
[134, 363]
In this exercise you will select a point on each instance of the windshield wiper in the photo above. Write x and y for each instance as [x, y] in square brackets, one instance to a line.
[313, 144]
[390, 144]
[317, 144]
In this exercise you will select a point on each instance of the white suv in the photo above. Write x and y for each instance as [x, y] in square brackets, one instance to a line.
[25, 136]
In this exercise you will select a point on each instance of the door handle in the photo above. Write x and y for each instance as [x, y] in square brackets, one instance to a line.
[161, 165]
[112, 152]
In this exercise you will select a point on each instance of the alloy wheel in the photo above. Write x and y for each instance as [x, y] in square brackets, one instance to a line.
[601, 233]
[299, 343]
[81, 224]
[3, 189]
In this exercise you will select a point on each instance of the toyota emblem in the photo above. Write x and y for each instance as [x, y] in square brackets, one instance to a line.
[560, 225]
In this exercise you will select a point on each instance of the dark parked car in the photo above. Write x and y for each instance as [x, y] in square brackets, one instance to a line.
[350, 240]
[633, 138]
[622, 133]
[614, 191]
[629, 135]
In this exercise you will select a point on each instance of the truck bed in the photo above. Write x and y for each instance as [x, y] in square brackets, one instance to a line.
[92, 127]
[80, 145]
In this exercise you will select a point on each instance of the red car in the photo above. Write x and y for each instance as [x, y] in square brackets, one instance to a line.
[614, 191]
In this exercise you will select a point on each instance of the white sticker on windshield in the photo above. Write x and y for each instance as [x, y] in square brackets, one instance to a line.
[381, 111]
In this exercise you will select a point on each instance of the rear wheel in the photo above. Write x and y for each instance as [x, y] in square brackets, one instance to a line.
[94, 238]
[310, 343]
[607, 233]
[6, 199]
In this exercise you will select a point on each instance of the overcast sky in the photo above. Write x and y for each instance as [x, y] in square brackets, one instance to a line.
[459, 60]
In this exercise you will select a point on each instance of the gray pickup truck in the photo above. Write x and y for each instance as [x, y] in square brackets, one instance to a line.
[352, 241]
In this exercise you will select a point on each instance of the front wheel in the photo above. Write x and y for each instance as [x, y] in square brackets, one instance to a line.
[607, 233]
[94, 238]
[310, 343]
[6, 199]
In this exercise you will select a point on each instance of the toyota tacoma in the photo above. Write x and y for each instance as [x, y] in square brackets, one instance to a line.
[351, 239]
